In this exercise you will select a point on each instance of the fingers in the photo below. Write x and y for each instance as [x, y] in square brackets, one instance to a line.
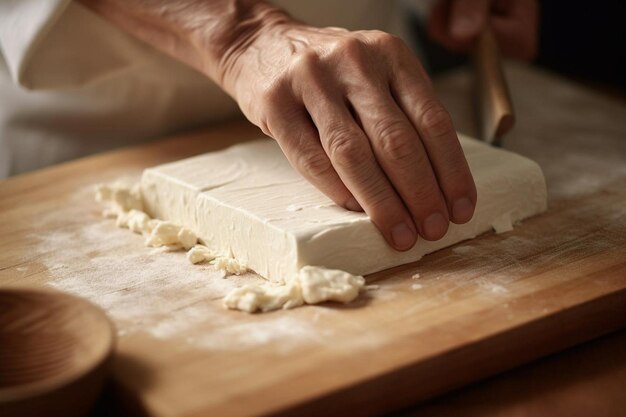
[467, 19]
[434, 126]
[516, 28]
[399, 151]
[455, 24]
[351, 155]
[397, 156]
[299, 141]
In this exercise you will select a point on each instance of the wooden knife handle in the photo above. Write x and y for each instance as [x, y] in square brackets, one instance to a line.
[495, 107]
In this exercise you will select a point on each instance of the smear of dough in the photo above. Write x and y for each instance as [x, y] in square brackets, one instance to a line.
[251, 298]
[312, 284]
[321, 284]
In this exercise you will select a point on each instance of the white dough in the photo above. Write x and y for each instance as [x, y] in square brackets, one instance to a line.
[124, 202]
[119, 198]
[251, 298]
[199, 254]
[247, 203]
[252, 211]
[312, 285]
[320, 284]
[230, 265]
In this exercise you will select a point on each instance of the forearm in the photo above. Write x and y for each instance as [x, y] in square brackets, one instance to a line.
[207, 35]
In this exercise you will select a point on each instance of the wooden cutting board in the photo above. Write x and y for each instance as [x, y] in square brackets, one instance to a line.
[476, 309]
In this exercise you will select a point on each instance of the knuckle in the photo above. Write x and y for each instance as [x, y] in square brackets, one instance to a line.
[315, 165]
[435, 119]
[350, 48]
[428, 197]
[273, 93]
[395, 141]
[383, 208]
[306, 61]
[306, 70]
[345, 149]
[357, 60]
[387, 41]
[351, 45]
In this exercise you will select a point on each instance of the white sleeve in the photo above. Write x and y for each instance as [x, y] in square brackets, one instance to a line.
[60, 43]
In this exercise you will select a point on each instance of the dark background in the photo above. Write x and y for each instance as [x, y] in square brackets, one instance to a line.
[585, 40]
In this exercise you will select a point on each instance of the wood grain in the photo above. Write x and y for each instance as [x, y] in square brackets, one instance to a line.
[589, 379]
[54, 353]
[481, 307]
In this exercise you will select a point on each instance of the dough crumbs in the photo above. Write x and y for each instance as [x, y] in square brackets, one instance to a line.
[166, 233]
[230, 266]
[124, 202]
[372, 287]
[137, 221]
[199, 254]
[415, 276]
[321, 284]
[312, 285]
[187, 238]
[119, 198]
[417, 286]
[252, 298]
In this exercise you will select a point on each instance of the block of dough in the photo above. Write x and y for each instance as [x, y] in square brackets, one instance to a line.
[247, 202]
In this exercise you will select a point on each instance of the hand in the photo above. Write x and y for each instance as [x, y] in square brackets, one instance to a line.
[355, 114]
[456, 23]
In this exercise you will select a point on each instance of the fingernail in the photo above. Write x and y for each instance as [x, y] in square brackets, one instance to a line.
[462, 210]
[464, 27]
[402, 235]
[435, 226]
[353, 205]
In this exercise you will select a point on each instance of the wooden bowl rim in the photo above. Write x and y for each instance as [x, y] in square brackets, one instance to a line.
[38, 388]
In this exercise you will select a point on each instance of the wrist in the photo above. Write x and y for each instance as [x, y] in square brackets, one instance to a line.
[222, 44]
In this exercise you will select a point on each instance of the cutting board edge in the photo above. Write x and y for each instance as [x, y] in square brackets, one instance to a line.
[387, 391]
